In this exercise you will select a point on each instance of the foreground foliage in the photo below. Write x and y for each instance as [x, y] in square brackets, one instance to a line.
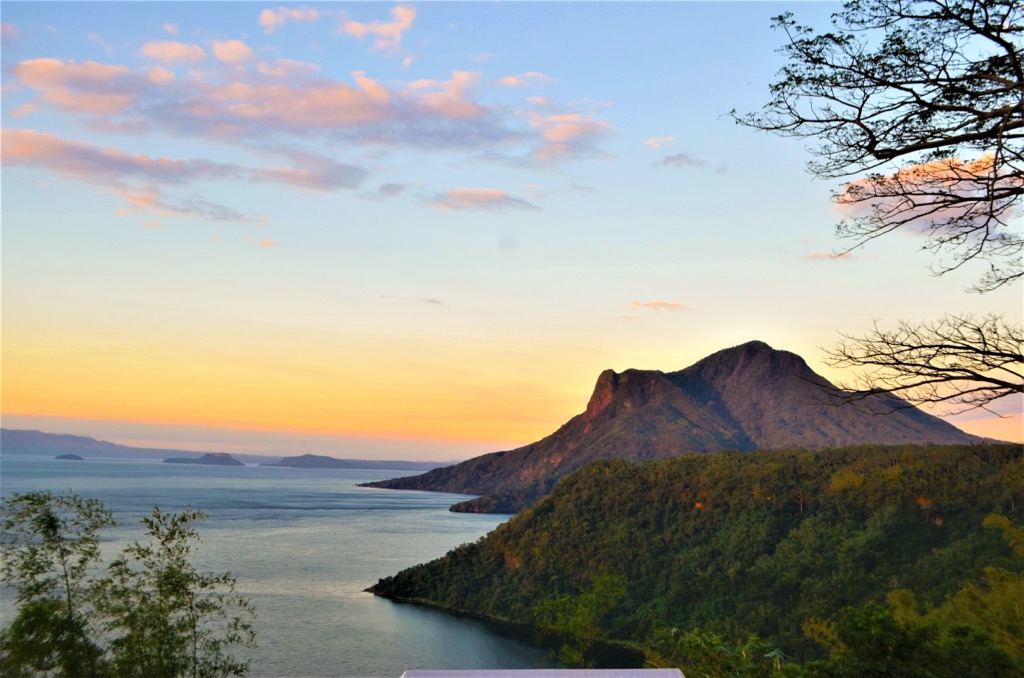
[768, 562]
[152, 614]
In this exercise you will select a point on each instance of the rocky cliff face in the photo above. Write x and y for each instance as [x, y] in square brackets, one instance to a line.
[745, 398]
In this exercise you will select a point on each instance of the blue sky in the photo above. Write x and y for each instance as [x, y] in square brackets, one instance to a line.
[416, 229]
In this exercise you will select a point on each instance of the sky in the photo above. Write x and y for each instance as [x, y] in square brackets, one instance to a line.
[409, 230]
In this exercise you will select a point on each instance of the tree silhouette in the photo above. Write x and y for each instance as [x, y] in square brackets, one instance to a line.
[962, 360]
[919, 105]
[922, 103]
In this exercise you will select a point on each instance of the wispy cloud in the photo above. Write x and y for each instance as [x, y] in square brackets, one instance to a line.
[657, 142]
[567, 134]
[826, 256]
[489, 199]
[8, 30]
[687, 160]
[134, 176]
[524, 79]
[659, 306]
[170, 51]
[272, 19]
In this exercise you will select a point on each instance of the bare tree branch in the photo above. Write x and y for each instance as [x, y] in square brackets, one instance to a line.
[962, 360]
[920, 104]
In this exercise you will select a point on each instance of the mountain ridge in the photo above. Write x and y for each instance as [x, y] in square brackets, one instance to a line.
[747, 397]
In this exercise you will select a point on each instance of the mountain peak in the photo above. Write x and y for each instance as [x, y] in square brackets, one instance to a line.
[604, 392]
[746, 397]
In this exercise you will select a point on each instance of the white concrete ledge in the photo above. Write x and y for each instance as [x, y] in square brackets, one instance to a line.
[548, 673]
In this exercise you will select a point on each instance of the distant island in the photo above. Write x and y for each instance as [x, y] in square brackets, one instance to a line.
[209, 459]
[69, 457]
[321, 461]
[18, 442]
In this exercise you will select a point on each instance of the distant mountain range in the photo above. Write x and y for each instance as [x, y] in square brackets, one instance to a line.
[37, 443]
[746, 398]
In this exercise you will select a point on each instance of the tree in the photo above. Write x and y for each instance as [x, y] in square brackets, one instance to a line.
[153, 614]
[919, 104]
[926, 99]
[50, 544]
[167, 618]
[962, 360]
[578, 617]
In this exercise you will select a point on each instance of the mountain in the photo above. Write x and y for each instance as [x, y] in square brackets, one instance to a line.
[320, 461]
[208, 459]
[746, 398]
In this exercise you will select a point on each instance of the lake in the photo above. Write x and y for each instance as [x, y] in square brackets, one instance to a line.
[303, 544]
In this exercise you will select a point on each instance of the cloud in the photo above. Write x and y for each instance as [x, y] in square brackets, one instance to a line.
[88, 86]
[267, 242]
[449, 97]
[135, 177]
[172, 51]
[523, 79]
[231, 51]
[272, 19]
[283, 102]
[687, 160]
[8, 30]
[387, 35]
[170, 29]
[566, 135]
[481, 57]
[287, 68]
[489, 199]
[659, 306]
[385, 192]
[682, 160]
[826, 256]
[149, 199]
[657, 142]
[24, 109]
[938, 197]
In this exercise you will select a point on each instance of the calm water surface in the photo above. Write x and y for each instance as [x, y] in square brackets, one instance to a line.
[303, 545]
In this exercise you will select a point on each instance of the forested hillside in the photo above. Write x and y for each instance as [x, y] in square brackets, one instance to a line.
[774, 544]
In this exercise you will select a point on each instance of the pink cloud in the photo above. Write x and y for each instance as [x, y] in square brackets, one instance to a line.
[826, 256]
[272, 19]
[566, 134]
[287, 68]
[449, 97]
[105, 165]
[659, 305]
[491, 199]
[149, 199]
[89, 86]
[231, 51]
[136, 177]
[387, 35]
[8, 30]
[170, 29]
[267, 242]
[171, 51]
[278, 101]
[657, 142]
[523, 79]
[935, 196]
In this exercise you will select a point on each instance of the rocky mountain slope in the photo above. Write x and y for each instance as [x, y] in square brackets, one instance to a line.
[744, 398]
